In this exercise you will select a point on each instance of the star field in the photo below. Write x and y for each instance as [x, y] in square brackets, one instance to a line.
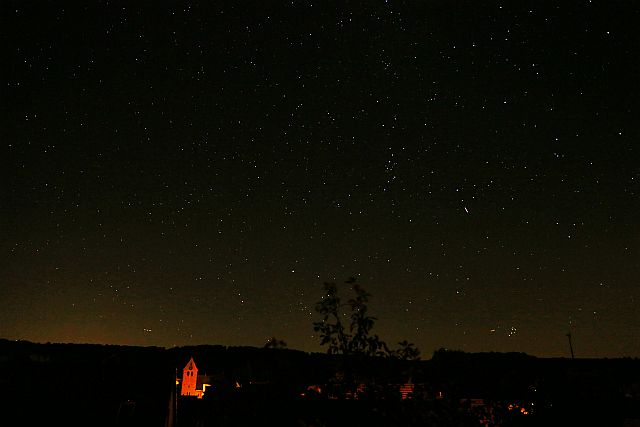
[192, 172]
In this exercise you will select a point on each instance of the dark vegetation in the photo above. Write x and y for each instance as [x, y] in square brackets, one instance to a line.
[357, 382]
[356, 337]
[105, 385]
[75, 384]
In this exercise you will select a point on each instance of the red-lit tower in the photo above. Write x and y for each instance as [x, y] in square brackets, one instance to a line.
[189, 379]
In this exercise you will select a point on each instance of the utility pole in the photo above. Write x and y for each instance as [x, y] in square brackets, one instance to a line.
[570, 345]
[175, 393]
[172, 408]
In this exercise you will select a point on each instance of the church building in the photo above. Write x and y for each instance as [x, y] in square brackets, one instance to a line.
[192, 383]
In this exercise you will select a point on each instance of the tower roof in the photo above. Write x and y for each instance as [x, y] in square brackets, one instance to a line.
[191, 365]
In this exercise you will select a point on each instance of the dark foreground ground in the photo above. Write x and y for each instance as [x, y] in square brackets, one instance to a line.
[90, 385]
[334, 413]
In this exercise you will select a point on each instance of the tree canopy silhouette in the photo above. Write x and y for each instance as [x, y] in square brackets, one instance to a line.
[353, 335]
[273, 342]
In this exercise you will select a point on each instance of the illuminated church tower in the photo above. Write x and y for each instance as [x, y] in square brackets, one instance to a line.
[190, 379]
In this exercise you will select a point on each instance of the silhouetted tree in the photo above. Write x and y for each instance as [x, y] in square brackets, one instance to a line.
[357, 339]
[361, 324]
[407, 351]
[330, 328]
[273, 342]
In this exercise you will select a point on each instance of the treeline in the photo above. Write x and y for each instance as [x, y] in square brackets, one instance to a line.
[82, 384]
[106, 384]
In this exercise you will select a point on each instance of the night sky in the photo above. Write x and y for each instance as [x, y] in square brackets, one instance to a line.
[182, 173]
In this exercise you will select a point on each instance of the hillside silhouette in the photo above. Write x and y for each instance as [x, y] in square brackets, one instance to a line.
[112, 385]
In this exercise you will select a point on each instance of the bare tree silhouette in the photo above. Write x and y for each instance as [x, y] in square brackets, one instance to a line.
[354, 338]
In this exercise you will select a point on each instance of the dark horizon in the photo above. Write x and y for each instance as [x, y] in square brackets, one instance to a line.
[183, 173]
[423, 357]
[247, 385]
